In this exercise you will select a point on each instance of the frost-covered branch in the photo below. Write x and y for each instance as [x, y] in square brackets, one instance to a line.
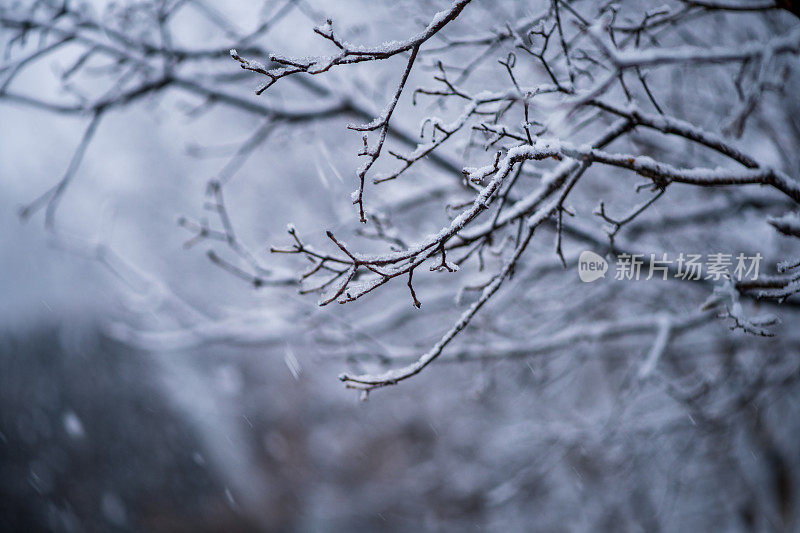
[517, 127]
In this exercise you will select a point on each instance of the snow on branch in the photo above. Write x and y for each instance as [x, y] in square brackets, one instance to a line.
[525, 127]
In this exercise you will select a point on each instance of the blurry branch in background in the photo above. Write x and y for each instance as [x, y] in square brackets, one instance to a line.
[575, 78]
[50, 199]
[570, 337]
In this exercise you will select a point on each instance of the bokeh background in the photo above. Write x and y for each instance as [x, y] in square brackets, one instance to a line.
[157, 392]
